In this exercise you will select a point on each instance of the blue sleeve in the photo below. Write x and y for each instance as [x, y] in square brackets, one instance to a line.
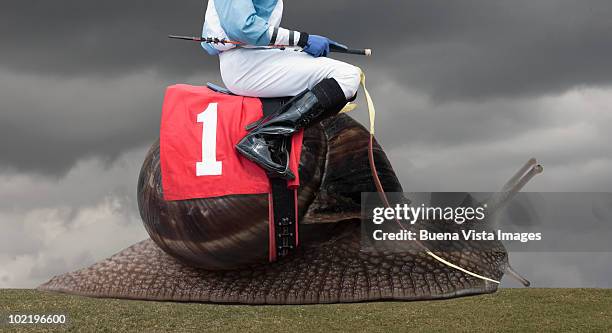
[240, 22]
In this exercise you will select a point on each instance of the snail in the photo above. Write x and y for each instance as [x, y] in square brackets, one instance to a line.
[216, 249]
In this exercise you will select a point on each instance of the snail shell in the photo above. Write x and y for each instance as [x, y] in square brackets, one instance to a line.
[232, 231]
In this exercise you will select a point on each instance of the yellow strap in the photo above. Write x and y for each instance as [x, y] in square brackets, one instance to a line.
[348, 108]
[371, 109]
[372, 113]
[450, 264]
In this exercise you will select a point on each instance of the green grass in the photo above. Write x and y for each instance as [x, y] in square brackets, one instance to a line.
[509, 310]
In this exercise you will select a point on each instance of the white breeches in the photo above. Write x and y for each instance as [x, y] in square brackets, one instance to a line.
[278, 73]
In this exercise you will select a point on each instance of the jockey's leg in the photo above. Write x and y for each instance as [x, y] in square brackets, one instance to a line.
[325, 86]
[280, 73]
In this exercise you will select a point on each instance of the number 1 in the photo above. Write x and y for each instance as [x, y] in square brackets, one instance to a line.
[209, 166]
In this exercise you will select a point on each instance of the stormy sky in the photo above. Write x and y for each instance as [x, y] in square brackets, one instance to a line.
[466, 92]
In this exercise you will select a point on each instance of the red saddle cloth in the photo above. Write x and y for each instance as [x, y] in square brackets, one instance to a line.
[199, 129]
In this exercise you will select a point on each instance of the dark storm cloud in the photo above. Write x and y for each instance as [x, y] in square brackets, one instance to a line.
[46, 125]
[449, 49]
[477, 49]
[86, 78]
[84, 38]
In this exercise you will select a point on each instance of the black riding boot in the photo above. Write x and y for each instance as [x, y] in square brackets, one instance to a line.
[266, 143]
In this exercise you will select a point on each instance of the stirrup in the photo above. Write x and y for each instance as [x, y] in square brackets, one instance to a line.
[285, 174]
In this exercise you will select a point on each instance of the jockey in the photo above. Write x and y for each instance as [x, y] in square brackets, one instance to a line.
[321, 86]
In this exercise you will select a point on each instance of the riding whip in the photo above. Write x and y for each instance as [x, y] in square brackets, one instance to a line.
[212, 40]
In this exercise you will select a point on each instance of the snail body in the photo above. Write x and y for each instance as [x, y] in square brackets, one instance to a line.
[216, 249]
